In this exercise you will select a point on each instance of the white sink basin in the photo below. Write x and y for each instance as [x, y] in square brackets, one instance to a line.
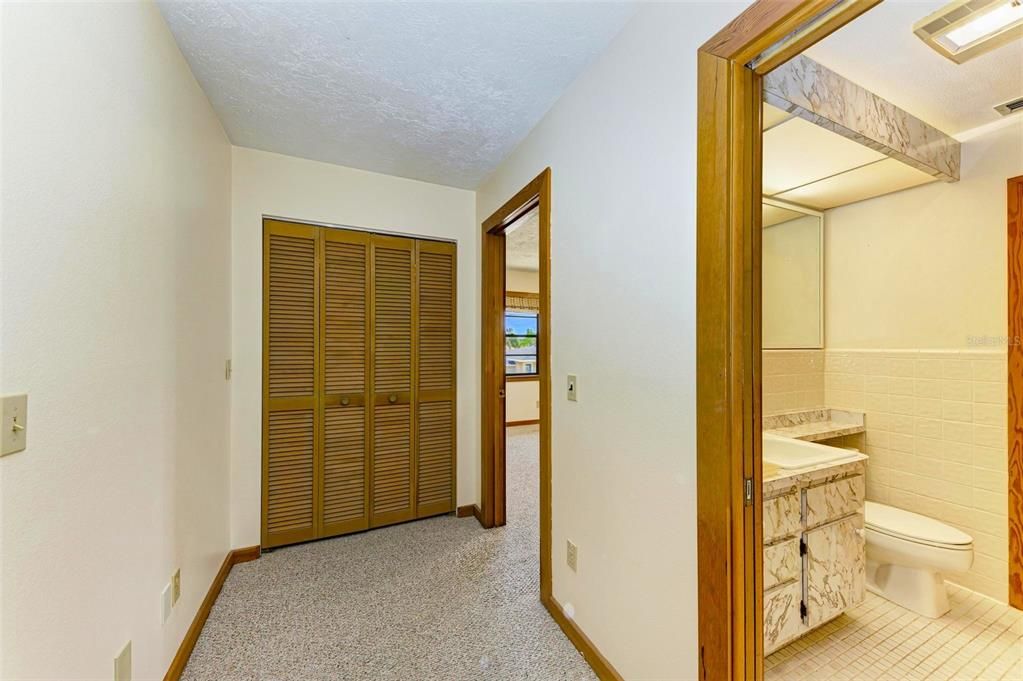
[787, 453]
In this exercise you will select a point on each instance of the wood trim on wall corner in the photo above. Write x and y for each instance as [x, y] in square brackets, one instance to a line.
[598, 663]
[180, 661]
[1015, 385]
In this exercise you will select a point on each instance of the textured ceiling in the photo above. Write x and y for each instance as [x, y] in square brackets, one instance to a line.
[440, 92]
[880, 52]
[522, 245]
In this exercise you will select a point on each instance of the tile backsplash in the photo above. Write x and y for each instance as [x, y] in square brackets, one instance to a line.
[936, 433]
[793, 379]
[937, 437]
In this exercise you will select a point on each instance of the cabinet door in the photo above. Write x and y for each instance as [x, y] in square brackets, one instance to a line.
[393, 480]
[835, 569]
[435, 392]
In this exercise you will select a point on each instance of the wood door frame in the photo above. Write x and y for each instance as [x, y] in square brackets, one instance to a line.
[731, 66]
[1015, 384]
[492, 507]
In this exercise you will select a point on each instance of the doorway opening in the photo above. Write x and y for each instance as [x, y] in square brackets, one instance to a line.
[516, 352]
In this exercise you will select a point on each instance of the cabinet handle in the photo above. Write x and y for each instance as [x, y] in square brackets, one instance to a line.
[392, 398]
[345, 401]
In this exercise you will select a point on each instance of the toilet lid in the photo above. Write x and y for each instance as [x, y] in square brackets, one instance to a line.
[913, 526]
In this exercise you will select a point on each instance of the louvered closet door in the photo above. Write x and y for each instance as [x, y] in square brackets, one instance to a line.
[290, 340]
[392, 482]
[346, 358]
[435, 398]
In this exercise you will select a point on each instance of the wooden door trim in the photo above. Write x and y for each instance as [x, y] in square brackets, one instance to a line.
[1015, 385]
[729, 109]
[537, 193]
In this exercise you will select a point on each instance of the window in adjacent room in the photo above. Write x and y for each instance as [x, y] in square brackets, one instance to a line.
[520, 343]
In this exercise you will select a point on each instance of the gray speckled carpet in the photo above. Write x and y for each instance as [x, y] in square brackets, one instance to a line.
[434, 599]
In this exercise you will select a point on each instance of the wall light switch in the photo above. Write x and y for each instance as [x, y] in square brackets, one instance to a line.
[122, 664]
[573, 388]
[14, 435]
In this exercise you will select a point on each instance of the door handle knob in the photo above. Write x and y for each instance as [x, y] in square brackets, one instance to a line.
[345, 401]
[392, 398]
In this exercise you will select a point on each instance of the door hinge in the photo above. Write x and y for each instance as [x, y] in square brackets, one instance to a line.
[802, 546]
[802, 610]
[749, 491]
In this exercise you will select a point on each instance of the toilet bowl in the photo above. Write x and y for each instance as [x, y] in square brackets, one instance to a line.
[907, 554]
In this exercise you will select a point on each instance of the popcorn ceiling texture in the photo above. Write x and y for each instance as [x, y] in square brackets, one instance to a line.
[440, 92]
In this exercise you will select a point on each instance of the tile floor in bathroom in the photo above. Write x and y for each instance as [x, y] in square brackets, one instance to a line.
[978, 640]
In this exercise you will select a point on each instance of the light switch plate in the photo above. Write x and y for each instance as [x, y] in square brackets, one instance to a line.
[122, 664]
[571, 554]
[573, 388]
[14, 428]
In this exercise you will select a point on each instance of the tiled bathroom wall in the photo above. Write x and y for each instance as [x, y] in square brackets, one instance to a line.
[793, 380]
[937, 438]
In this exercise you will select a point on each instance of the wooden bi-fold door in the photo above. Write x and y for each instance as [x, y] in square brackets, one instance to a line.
[358, 381]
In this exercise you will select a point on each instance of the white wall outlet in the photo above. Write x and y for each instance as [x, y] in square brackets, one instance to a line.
[122, 664]
[166, 601]
[571, 554]
[176, 583]
[14, 426]
[573, 388]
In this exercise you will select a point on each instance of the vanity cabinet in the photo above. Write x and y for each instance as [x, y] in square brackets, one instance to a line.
[814, 549]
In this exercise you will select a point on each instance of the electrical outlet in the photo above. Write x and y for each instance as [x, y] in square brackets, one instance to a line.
[176, 581]
[122, 664]
[166, 602]
[573, 388]
[571, 554]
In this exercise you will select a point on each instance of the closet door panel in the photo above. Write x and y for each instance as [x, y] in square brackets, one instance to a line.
[346, 285]
[290, 338]
[393, 477]
[435, 390]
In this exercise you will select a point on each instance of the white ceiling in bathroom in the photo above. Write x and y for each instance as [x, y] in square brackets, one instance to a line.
[814, 167]
[435, 91]
[880, 52]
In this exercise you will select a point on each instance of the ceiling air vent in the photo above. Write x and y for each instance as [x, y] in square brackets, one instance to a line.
[1010, 107]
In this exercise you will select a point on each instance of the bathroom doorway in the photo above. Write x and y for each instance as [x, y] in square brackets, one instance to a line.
[796, 567]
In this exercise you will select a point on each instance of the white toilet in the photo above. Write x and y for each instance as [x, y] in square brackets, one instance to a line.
[907, 553]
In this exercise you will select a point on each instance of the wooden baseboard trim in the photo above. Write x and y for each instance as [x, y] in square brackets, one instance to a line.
[465, 511]
[601, 667]
[528, 422]
[177, 666]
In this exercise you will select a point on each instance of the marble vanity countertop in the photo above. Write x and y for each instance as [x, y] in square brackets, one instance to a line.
[781, 480]
[814, 425]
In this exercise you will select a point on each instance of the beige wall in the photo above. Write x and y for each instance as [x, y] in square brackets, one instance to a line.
[793, 380]
[116, 322]
[925, 267]
[271, 184]
[522, 280]
[792, 282]
[621, 146]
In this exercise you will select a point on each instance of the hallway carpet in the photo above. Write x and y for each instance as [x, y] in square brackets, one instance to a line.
[436, 599]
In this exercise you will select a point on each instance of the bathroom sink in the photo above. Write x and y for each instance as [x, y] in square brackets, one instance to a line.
[787, 453]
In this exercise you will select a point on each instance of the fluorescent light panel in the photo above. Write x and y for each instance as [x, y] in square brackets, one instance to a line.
[966, 28]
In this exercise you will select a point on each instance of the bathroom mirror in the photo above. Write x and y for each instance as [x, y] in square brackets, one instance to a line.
[793, 276]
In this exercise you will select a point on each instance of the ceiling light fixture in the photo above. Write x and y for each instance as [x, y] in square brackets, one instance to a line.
[964, 29]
